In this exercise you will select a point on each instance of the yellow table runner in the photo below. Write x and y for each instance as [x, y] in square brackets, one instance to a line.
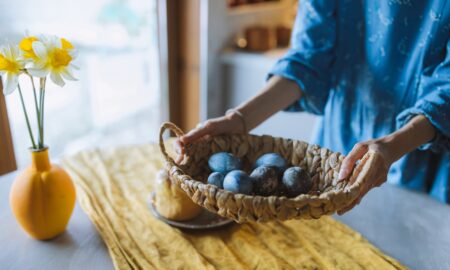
[113, 188]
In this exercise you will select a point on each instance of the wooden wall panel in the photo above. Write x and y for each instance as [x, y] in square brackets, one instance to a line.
[7, 158]
[183, 26]
[190, 106]
[188, 60]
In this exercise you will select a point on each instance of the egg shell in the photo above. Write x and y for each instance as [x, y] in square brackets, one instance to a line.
[224, 162]
[296, 181]
[272, 160]
[216, 178]
[265, 180]
[238, 181]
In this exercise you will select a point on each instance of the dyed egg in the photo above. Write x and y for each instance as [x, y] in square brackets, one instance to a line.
[296, 181]
[272, 160]
[216, 178]
[238, 182]
[224, 162]
[265, 180]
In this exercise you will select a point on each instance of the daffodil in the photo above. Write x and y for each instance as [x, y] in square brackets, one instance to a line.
[54, 56]
[36, 56]
[11, 65]
[66, 45]
[27, 48]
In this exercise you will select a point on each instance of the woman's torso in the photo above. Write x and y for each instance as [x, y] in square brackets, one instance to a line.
[383, 48]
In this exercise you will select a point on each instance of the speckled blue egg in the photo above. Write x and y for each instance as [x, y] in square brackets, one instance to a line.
[224, 162]
[272, 160]
[265, 180]
[216, 178]
[296, 181]
[238, 182]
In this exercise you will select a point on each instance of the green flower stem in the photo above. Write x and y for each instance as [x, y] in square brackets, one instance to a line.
[26, 117]
[38, 114]
[42, 98]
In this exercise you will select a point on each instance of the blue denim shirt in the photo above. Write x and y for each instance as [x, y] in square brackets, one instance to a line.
[368, 67]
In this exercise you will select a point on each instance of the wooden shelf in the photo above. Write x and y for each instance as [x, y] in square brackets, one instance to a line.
[259, 60]
[257, 8]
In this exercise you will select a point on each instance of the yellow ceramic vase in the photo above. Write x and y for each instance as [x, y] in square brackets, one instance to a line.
[42, 197]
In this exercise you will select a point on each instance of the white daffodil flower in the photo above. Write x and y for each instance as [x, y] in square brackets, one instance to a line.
[54, 57]
[11, 65]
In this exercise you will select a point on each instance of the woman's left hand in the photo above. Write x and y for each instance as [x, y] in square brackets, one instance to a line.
[377, 172]
[387, 150]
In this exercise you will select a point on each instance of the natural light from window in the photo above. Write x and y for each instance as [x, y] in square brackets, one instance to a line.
[116, 99]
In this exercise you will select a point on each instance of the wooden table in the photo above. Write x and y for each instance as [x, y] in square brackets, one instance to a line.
[80, 247]
[408, 226]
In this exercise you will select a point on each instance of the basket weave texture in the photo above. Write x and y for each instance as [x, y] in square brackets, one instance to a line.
[327, 196]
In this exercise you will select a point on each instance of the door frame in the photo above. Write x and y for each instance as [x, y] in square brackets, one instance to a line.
[179, 56]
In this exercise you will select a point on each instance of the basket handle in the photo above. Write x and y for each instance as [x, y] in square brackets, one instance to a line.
[178, 132]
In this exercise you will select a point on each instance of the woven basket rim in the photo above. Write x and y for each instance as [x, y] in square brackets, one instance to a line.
[354, 185]
[350, 192]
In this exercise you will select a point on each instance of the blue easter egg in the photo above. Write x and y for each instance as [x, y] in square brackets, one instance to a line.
[224, 162]
[296, 181]
[272, 160]
[265, 180]
[216, 178]
[238, 182]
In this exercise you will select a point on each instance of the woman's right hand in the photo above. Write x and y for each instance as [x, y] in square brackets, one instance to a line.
[230, 123]
[275, 96]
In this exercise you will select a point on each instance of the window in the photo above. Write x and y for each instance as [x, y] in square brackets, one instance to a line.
[116, 99]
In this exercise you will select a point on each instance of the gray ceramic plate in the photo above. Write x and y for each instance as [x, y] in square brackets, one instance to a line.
[205, 220]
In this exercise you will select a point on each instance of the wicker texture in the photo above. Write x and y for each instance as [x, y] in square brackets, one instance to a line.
[326, 197]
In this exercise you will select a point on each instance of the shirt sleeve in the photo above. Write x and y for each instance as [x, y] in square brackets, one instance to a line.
[433, 103]
[309, 59]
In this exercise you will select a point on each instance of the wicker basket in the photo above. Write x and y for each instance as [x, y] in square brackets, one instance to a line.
[327, 196]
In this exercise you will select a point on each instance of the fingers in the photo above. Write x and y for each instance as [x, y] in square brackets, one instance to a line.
[179, 149]
[364, 191]
[198, 133]
[375, 176]
[358, 151]
[201, 132]
[213, 127]
[369, 185]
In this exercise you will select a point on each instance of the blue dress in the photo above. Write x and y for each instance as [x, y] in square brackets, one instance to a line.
[368, 67]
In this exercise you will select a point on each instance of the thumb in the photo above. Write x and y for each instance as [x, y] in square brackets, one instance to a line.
[349, 162]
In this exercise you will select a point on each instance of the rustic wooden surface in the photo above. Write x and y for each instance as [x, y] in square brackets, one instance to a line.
[408, 226]
[80, 247]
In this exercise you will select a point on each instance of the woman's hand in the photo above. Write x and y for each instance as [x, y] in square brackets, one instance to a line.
[276, 95]
[387, 149]
[377, 173]
[231, 123]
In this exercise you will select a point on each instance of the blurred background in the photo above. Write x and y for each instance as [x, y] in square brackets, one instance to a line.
[147, 61]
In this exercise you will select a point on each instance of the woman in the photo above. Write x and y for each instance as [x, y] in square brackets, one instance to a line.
[378, 72]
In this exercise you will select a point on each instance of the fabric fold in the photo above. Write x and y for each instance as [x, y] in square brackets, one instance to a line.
[113, 188]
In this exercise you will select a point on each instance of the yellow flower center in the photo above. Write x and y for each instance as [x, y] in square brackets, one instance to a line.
[66, 44]
[26, 46]
[8, 66]
[59, 58]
